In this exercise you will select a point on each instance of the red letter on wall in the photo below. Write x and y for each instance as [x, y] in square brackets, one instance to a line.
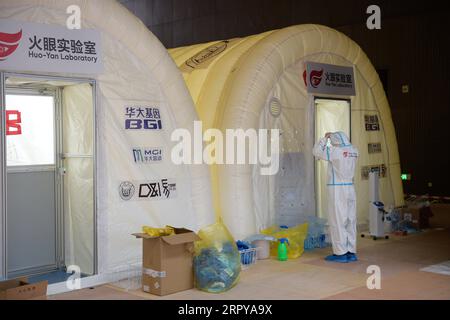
[13, 123]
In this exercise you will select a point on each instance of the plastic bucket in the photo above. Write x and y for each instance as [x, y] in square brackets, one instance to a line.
[263, 249]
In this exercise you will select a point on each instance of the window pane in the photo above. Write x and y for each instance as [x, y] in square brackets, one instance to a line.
[30, 130]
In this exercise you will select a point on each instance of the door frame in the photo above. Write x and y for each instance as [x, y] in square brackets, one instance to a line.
[331, 98]
[58, 163]
[3, 243]
[43, 91]
[349, 100]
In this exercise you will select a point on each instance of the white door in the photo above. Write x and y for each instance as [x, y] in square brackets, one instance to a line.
[31, 212]
[331, 116]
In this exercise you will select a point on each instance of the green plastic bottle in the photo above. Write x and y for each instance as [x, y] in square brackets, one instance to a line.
[282, 249]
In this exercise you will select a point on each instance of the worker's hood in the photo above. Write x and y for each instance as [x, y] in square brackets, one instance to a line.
[340, 139]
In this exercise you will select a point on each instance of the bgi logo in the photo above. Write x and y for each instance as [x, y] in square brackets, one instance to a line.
[157, 190]
[147, 155]
[142, 118]
[126, 190]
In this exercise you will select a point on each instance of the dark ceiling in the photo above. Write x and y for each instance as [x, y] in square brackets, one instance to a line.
[184, 22]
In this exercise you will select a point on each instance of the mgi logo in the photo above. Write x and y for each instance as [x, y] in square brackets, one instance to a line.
[147, 155]
[142, 118]
[157, 190]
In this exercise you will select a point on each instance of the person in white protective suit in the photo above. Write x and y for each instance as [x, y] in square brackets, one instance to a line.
[341, 156]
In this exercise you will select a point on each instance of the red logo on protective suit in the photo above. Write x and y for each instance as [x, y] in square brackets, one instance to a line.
[345, 154]
[9, 43]
[13, 123]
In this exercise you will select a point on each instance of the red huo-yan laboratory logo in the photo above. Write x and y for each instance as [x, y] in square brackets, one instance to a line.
[9, 43]
[315, 78]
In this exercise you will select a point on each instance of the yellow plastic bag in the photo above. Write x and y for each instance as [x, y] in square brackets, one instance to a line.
[217, 261]
[158, 232]
[295, 235]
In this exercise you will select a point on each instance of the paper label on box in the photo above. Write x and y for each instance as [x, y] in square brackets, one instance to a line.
[157, 285]
[146, 289]
[154, 273]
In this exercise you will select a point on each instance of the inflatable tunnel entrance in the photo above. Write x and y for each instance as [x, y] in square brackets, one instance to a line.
[259, 82]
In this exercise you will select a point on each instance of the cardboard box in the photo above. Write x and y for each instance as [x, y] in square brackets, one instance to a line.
[20, 289]
[441, 215]
[419, 217]
[168, 262]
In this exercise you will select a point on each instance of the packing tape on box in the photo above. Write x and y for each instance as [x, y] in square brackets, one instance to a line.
[154, 273]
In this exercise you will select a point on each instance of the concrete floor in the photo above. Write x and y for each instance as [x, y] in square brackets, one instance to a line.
[310, 277]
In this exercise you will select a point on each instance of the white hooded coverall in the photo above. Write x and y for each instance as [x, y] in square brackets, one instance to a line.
[341, 157]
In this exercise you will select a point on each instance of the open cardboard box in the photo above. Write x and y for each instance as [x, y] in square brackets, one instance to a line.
[20, 289]
[168, 262]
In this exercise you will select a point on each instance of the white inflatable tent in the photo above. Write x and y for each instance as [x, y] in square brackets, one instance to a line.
[258, 82]
[137, 72]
